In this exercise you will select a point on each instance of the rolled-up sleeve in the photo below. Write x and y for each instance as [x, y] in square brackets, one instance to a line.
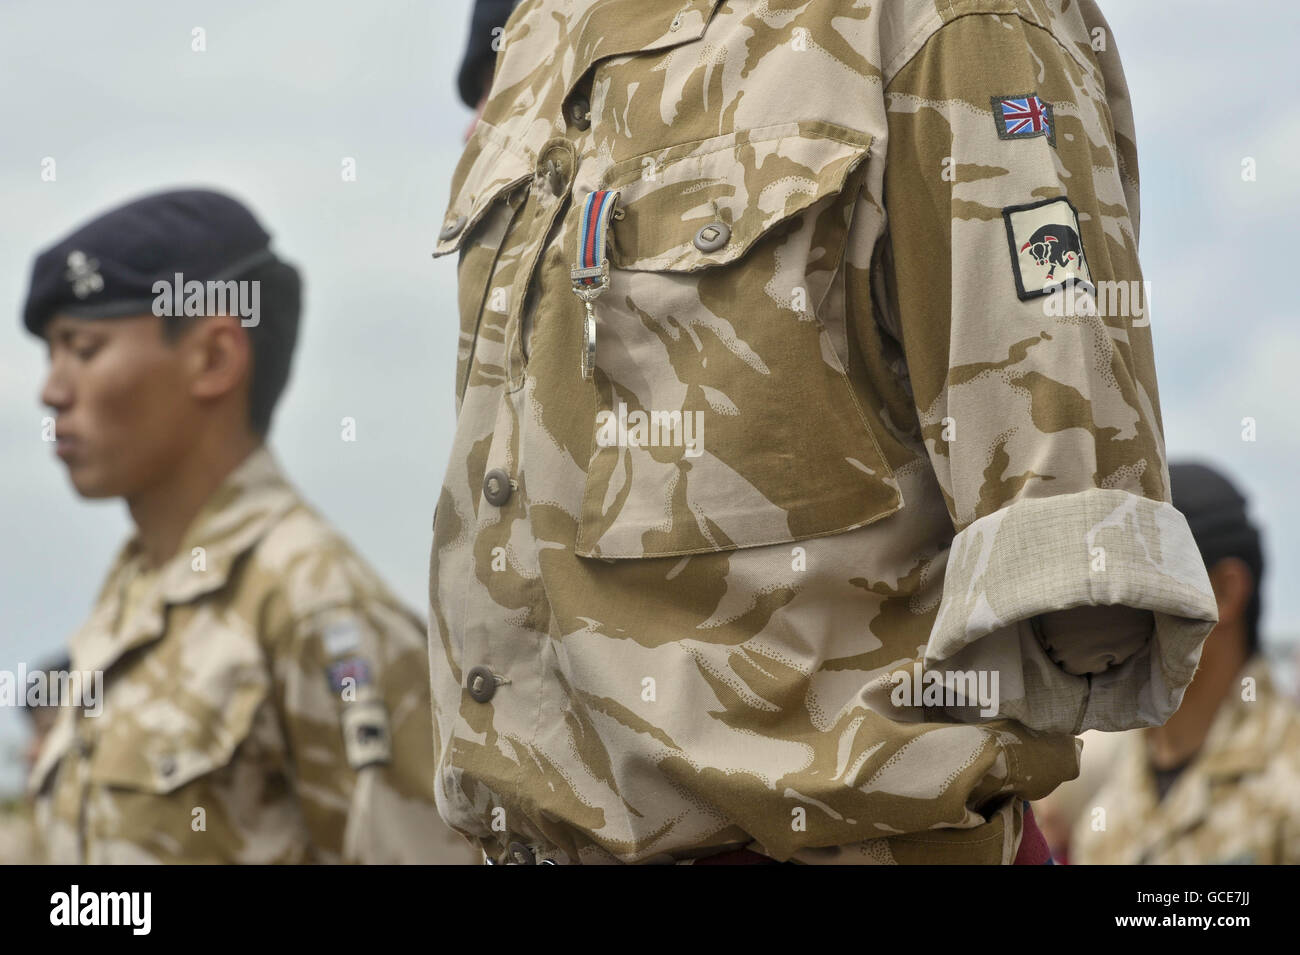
[1006, 178]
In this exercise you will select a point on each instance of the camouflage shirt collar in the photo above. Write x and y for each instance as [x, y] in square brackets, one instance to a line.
[252, 498]
[607, 30]
[237, 515]
[1234, 746]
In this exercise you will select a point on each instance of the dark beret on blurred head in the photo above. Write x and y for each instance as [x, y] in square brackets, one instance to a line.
[1215, 509]
[107, 268]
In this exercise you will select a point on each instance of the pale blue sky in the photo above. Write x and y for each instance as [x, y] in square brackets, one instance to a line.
[286, 89]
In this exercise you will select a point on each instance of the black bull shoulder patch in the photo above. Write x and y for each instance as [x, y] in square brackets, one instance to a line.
[1046, 246]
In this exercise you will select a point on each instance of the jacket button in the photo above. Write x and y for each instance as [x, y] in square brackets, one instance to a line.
[520, 854]
[555, 178]
[553, 167]
[496, 487]
[452, 229]
[712, 237]
[580, 112]
[482, 684]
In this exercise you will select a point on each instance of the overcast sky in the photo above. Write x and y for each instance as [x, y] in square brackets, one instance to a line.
[285, 90]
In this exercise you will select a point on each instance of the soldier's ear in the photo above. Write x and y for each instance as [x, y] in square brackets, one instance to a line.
[1233, 585]
[221, 357]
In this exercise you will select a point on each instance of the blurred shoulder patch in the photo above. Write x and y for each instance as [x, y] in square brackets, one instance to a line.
[366, 736]
[1024, 116]
[341, 636]
[1046, 247]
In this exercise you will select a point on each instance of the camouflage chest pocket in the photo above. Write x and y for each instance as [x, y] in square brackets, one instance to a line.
[163, 741]
[725, 418]
[485, 195]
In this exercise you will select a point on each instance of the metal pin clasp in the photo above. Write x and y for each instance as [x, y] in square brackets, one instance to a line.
[588, 362]
[588, 283]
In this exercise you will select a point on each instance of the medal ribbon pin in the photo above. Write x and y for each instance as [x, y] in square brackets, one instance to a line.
[591, 273]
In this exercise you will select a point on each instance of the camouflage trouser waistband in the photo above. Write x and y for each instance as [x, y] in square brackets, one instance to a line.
[992, 843]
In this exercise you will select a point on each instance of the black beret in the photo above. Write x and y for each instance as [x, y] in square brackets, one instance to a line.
[107, 267]
[480, 58]
[1215, 512]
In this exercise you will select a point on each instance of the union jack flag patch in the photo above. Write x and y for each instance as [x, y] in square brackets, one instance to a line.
[353, 668]
[1024, 116]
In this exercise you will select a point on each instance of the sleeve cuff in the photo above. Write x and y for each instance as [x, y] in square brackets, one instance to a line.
[1094, 547]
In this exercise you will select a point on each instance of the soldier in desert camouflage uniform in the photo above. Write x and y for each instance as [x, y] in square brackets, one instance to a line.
[265, 698]
[19, 840]
[1237, 802]
[839, 412]
[1219, 783]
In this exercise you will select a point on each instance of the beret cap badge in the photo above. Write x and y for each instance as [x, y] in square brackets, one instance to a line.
[83, 274]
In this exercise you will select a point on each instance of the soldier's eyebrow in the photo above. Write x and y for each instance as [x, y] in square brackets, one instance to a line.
[67, 333]
[55, 334]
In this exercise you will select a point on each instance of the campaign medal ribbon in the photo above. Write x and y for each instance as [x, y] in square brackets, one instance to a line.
[591, 274]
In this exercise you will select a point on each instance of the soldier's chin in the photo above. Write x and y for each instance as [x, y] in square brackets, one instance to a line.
[89, 482]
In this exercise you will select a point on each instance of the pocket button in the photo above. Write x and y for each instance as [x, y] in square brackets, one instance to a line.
[555, 177]
[452, 229]
[496, 487]
[580, 113]
[521, 854]
[482, 684]
[712, 237]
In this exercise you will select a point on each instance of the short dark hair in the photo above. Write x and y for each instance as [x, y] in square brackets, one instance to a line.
[272, 339]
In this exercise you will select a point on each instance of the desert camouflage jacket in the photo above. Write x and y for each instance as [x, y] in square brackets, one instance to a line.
[841, 437]
[265, 700]
[1238, 802]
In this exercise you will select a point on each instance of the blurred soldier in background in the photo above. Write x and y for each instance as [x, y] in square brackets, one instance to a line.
[487, 23]
[1220, 781]
[265, 698]
[19, 841]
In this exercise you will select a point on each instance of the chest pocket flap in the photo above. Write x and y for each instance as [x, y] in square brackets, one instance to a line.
[166, 739]
[490, 167]
[725, 417]
[485, 196]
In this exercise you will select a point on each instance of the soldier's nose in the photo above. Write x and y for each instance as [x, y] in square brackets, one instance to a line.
[56, 392]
